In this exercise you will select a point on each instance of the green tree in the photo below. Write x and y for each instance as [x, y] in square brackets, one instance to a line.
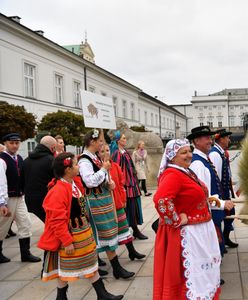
[15, 118]
[69, 125]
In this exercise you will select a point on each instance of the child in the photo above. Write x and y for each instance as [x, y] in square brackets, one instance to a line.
[70, 249]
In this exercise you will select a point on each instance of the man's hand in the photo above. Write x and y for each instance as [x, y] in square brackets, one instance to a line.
[228, 204]
[5, 211]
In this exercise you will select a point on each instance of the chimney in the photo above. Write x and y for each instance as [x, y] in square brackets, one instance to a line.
[40, 32]
[15, 18]
[195, 93]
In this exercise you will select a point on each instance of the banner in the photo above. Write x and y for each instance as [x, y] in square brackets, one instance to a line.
[98, 111]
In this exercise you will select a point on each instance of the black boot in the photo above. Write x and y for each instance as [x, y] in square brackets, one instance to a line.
[228, 242]
[102, 272]
[10, 233]
[118, 270]
[137, 234]
[3, 259]
[102, 293]
[25, 253]
[61, 293]
[132, 253]
[101, 262]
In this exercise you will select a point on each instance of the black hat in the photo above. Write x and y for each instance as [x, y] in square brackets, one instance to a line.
[221, 133]
[200, 131]
[11, 137]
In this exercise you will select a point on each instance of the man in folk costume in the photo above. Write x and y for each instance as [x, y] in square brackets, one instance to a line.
[12, 204]
[204, 169]
[220, 159]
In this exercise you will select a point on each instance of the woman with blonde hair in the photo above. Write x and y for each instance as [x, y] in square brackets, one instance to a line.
[139, 158]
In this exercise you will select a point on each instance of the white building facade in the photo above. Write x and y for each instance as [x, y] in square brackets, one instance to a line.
[45, 77]
[224, 109]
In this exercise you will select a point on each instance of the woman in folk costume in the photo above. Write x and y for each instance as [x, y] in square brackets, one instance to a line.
[119, 194]
[139, 157]
[94, 174]
[70, 248]
[187, 256]
[124, 160]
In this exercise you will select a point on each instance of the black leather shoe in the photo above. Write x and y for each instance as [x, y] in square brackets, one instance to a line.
[101, 262]
[225, 251]
[231, 244]
[136, 255]
[140, 236]
[102, 272]
[148, 194]
[122, 273]
[222, 281]
[3, 259]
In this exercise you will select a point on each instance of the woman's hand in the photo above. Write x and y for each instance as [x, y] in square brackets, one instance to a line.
[106, 165]
[69, 250]
[184, 219]
[111, 185]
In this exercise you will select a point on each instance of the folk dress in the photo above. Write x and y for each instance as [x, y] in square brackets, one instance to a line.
[101, 205]
[66, 223]
[187, 258]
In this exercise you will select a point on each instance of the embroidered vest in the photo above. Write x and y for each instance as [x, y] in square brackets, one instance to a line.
[225, 173]
[215, 181]
[96, 190]
[13, 174]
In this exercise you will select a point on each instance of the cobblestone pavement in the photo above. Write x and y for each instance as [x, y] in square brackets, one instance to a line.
[21, 281]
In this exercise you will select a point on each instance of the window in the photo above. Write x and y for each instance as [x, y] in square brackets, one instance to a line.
[132, 111]
[29, 80]
[124, 108]
[103, 94]
[138, 114]
[210, 123]
[115, 104]
[163, 122]
[167, 123]
[58, 89]
[31, 146]
[145, 117]
[91, 89]
[152, 119]
[76, 94]
[232, 121]
[201, 123]
[156, 120]
[219, 124]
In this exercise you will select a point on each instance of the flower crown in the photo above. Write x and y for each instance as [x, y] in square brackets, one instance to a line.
[67, 161]
[95, 134]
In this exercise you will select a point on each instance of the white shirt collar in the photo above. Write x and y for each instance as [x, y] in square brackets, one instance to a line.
[200, 153]
[219, 147]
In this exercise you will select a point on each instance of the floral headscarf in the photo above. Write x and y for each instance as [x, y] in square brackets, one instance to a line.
[170, 152]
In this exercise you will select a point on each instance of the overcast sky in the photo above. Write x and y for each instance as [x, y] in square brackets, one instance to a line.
[168, 48]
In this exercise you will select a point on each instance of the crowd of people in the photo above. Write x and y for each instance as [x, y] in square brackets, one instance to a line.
[90, 203]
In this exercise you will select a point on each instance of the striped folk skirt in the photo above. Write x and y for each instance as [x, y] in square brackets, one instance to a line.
[124, 234]
[70, 267]
[103, 220]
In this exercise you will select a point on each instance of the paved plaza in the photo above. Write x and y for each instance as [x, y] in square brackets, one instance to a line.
[21, 281]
